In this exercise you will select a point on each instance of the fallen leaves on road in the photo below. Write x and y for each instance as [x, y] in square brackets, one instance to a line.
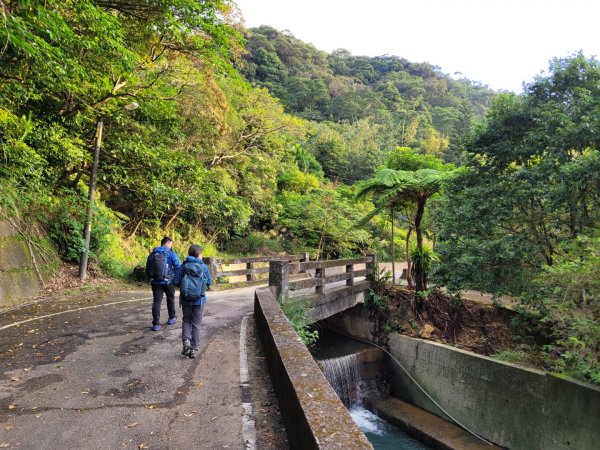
[151, 406]
[131, 425]
[190, 414]
[143, 445]
[11, 407]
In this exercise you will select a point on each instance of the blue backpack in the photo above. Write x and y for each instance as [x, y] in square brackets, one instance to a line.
[193, 281]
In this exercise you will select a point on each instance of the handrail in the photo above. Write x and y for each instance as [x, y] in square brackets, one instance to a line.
[280, 271]
[335, 263]
[217, 270]
[253, 259]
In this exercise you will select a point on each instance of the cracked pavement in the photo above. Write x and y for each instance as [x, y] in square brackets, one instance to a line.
[100, 378]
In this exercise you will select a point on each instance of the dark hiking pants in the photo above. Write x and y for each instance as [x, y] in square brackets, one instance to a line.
[157, 292]
[192, 319]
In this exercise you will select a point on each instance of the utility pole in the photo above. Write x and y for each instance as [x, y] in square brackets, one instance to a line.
[87, 230]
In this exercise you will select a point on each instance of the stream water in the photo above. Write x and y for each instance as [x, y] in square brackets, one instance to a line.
[381, 434]
[338, 358]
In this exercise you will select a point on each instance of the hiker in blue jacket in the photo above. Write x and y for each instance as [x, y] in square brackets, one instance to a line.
[192, 278]
[161, 267]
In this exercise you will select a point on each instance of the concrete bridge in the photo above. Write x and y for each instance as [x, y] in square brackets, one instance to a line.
[328, 287]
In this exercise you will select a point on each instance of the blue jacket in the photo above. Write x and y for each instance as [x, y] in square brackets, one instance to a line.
[179, 275]
[172, 265]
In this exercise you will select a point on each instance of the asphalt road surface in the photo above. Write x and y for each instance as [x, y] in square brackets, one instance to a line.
[92, 374]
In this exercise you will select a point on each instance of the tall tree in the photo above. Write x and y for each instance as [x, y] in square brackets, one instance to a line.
[392, 189]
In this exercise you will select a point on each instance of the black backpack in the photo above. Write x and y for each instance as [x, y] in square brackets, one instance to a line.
[193, 281]
[158, 268]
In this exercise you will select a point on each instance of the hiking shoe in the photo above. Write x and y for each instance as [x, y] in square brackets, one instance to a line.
[192, 353]
[155, 327]
[186, 348]
[172, 321]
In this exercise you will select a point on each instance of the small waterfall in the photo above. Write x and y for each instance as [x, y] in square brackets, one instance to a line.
[344, 376]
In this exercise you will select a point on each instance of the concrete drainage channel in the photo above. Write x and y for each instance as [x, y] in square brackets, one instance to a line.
[510, 406]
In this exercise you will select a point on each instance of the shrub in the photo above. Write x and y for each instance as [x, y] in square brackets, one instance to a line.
[567, 295]
[295, 310]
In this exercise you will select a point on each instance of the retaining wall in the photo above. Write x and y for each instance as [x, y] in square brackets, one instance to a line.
[314, 416]
[512, 406]
[19, 281]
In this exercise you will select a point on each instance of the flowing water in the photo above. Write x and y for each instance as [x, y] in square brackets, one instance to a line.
[343, 373]
[383, 435]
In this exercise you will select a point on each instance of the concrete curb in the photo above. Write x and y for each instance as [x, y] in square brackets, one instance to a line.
[248, 426]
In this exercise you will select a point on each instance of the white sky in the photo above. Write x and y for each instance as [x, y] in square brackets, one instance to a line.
[501, 43]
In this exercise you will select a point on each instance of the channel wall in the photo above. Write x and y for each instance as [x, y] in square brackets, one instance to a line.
[314, 416]
[512, 406]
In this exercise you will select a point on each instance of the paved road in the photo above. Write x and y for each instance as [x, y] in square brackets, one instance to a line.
[100, 378]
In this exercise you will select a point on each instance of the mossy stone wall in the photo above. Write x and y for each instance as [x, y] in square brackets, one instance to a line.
[19, 281]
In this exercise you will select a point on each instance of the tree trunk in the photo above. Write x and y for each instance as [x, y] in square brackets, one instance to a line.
[409, 278]
[393, 250]
[421, 285]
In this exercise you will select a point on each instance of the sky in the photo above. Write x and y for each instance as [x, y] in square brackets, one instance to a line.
[500, 43]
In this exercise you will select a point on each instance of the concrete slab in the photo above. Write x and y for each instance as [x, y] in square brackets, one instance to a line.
[429, 429]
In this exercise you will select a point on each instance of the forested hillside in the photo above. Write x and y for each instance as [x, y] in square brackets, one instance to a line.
[363, 106]
[207, 155]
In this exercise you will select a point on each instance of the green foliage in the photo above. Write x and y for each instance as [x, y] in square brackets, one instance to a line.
[198, 158]
[567, 294]
[377, 297]
[512, 356]
[295, 310]
[404, 158]
[294, 180]
[530, 182]
[307, 163]
[399, 186]
[66, 227]
[302, 223]
[26, 210]
[255, 243]
[423, 259]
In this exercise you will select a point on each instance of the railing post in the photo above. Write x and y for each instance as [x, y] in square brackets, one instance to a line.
[279, 276]
[249, 276]
[320, 273]
[305, 258]
[372, 267]
[350, 270]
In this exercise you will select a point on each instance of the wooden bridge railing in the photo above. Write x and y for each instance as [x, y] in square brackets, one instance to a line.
[252, 272]
[281, 271]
